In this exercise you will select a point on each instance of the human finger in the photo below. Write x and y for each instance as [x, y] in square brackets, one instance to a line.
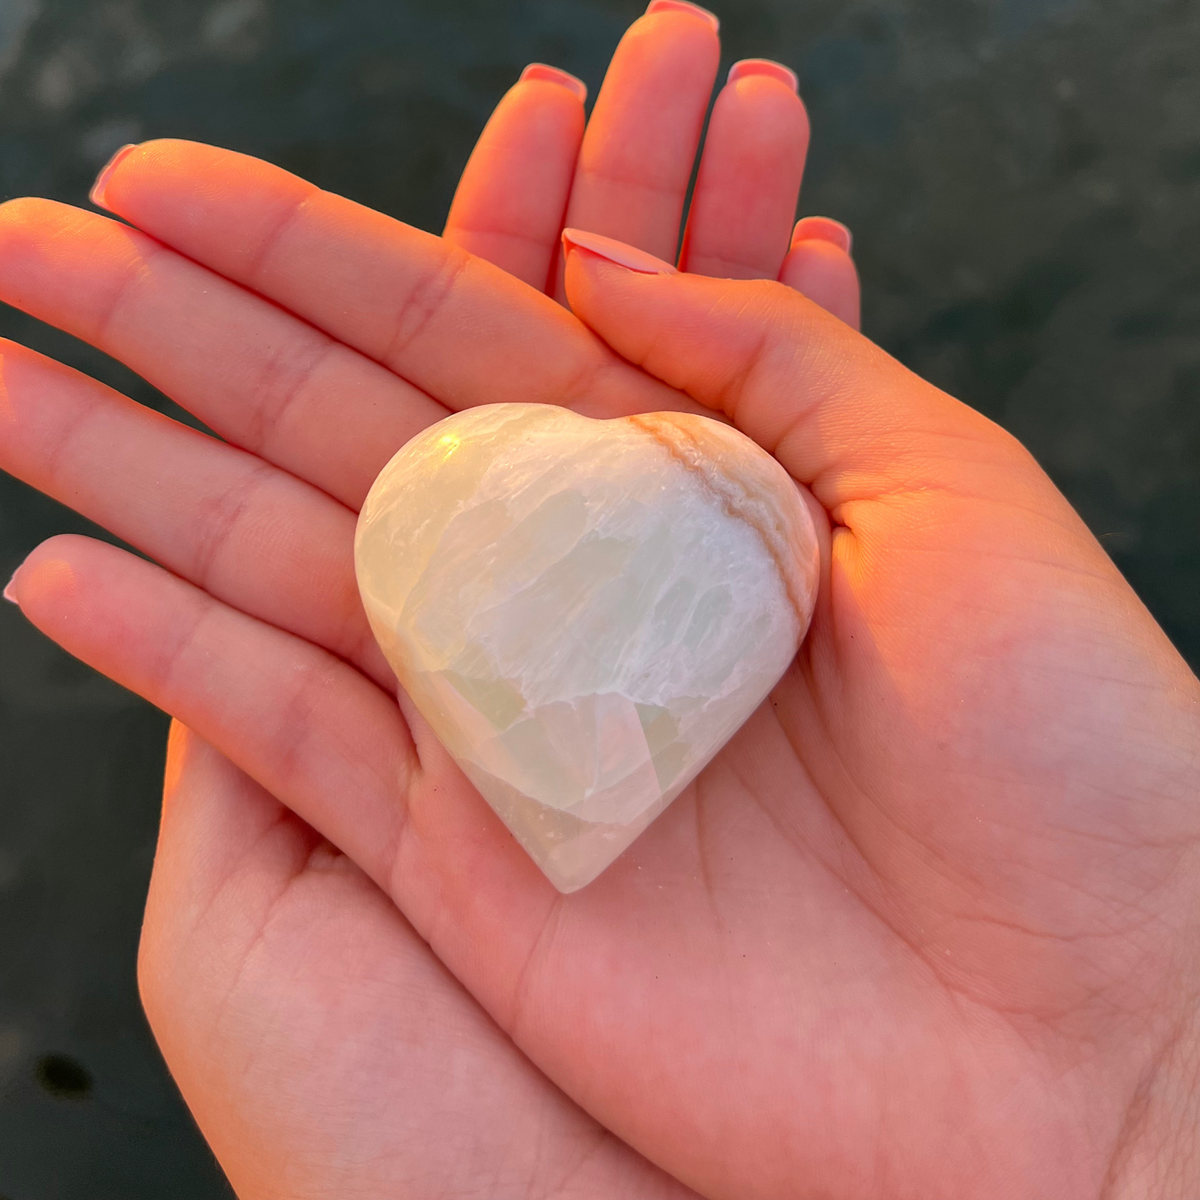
[639, 149]
[455, 327]
[748, 184]
[254, 374]
[305, 725]
[260, 943]
[512, 196]
[248, 533]
[819, 265]
[841, 415]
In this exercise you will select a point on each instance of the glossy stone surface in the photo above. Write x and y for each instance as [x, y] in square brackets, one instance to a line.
[584, 611]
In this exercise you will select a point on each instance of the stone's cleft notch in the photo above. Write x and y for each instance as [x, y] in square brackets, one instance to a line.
[585, 611]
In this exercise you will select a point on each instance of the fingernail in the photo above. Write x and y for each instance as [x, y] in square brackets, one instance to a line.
[657, 6]
[823, 229]
[10, 592]
[97, 193]
[764, 66]
[547, 74]
[613, 251]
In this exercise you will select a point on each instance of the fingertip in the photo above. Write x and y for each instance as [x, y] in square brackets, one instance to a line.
[36, 232]
[46, 581]
[764, 68]
[765, 96]
[544, 73]
[620, 254]
[98, 194]
[682, 6]
[823, 229]
[23, 211]
[824, 272]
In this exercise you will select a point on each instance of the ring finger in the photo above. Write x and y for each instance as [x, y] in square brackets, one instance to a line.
[749, 179]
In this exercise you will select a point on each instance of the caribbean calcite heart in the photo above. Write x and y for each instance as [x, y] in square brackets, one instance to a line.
[585, 611]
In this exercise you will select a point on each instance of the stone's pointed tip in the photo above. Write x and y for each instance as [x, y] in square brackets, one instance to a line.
[10, 591]
[565, 886]
[618, 253]
[572, 866]
[97, 194]
[543, 73]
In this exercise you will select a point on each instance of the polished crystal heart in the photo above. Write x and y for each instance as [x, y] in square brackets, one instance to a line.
[584, 611]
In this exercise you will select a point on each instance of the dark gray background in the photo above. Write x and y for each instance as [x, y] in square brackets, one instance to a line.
[1023, 180]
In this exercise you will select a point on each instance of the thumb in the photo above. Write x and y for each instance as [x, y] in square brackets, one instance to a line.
[841, 415]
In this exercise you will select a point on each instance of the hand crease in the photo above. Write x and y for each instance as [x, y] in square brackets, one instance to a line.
[255, 265]
[422, 305]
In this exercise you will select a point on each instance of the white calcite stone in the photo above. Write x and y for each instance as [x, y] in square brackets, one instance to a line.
[585, 611]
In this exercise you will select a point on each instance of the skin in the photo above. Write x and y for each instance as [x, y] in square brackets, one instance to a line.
[922, 929]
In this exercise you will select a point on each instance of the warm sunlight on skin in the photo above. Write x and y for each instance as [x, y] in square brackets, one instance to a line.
[924, 928]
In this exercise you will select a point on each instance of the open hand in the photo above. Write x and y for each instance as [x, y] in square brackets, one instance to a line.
[921, 929]
[493, 1117]
[536, 169]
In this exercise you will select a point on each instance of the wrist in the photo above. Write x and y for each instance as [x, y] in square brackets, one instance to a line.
[1158, 1152]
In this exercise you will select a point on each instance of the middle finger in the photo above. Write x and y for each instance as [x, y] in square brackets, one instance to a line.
[406, 327]
[263, 380]
[640, 146]
[246, 532]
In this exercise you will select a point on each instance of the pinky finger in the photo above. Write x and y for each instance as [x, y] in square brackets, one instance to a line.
[819, 266]
[305, 725]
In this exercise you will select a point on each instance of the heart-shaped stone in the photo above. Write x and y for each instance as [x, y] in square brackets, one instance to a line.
[585, 611]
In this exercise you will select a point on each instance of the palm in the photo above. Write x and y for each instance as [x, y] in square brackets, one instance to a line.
[880, 959]
[779, 938]
[971, 916]
[339, 1040]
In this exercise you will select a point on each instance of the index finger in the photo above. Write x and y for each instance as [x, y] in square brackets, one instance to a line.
[458, 328]
[513, 193]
